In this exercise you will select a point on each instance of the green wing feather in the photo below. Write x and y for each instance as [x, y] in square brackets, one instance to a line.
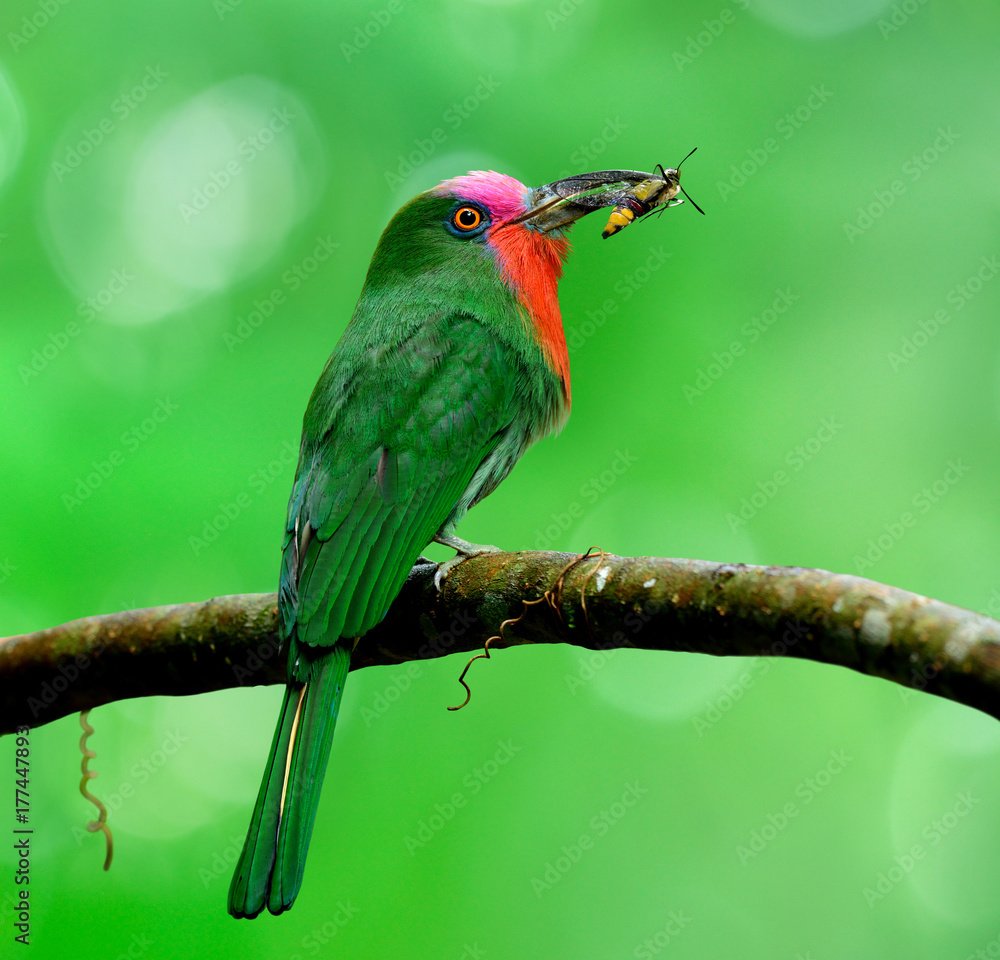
[398, 442]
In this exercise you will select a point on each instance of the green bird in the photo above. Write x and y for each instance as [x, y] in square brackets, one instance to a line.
[452, 365]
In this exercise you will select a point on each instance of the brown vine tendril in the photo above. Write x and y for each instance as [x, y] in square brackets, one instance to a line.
[101, 822]
[553, 597]
[583, 588]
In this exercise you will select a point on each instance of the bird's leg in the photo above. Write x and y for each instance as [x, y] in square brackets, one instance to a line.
[463, 546]
[463, 550]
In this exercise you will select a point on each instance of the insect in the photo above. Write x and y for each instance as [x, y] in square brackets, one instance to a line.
[645, 197]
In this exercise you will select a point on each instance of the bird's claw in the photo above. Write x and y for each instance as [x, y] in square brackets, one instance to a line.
[473, 550]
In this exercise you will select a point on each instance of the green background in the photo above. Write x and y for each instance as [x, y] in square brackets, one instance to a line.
[878, 95]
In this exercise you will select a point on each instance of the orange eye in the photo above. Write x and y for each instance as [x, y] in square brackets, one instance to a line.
[466, 219]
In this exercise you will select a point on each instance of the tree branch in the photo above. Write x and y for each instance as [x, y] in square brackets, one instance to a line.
[643, 602]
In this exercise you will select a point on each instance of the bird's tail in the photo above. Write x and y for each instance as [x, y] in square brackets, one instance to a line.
[270, 869]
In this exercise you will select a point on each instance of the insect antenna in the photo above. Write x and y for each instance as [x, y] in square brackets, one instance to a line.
[682, 161]
[686, 194]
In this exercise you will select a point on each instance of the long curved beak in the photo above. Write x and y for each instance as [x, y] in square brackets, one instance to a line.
[557, 205]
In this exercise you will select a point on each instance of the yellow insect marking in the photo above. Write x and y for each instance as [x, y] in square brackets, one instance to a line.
[620, 218]
[646, 189]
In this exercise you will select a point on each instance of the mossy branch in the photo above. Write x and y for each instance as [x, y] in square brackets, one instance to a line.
[596, 602]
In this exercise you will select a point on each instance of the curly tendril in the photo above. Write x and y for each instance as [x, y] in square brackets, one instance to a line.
[101, 822]
[553, 597]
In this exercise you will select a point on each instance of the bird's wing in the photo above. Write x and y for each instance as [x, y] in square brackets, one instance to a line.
[391, 442]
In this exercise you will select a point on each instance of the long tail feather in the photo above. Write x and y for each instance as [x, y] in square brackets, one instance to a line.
[270, 869]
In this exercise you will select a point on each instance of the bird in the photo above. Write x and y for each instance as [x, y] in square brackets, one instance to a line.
[453, 363]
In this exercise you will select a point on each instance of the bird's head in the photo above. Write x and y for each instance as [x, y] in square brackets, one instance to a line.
[474, 235]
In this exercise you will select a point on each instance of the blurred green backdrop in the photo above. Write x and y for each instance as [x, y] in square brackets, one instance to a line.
[189, 196]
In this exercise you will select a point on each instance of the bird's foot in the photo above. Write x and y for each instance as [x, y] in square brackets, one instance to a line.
[463, 549]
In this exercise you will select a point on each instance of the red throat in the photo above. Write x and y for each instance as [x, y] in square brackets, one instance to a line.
[532, 264]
